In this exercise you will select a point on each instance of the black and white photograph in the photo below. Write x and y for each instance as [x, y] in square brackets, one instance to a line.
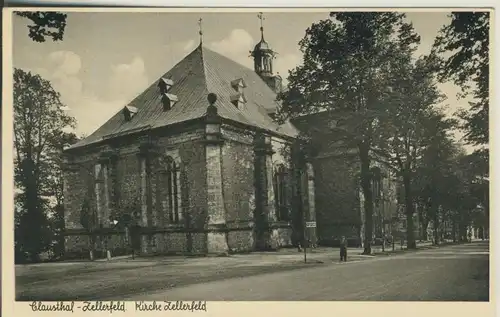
[250, 155]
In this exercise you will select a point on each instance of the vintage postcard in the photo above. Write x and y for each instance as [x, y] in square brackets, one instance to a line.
[162, 160]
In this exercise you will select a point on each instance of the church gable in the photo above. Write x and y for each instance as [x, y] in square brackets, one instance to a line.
[180, 96]
[183, 86]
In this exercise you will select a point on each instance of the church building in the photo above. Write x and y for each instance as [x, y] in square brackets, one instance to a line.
[195, 164]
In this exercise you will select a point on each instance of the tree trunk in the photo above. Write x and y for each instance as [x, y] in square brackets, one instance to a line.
[33, 239]
[463, 232]
[425, 225]
[422, 228]
[368, 197]
[409, 208]
[454, 230]
[435, 223]
[91, 246]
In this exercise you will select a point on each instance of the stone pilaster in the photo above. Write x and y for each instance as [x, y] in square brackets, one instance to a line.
[71, 197]
[106, 213]
[106, 159]
[214, 186]
[179, 193]
[147, 154]
[271, 200]
[143, 191]
[98, 191]
[155, 212]
[303, 188]
[311, 214]
[216, 241]
[265, 213]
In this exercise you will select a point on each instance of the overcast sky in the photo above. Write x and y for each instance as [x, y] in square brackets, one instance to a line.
[108, 58]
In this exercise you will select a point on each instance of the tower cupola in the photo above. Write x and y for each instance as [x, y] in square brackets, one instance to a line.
[262, 54]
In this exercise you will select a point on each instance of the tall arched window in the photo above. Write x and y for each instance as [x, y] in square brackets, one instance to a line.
[99, 192]
[169, 191]
[281, 193]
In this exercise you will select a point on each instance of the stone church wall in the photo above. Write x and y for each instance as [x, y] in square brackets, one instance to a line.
[239, 193]
[193, 158]
[281, 156]
[77, 182]
[191, 154]
[188, 150]
[238, 178]
[174, 239]
[337, 201]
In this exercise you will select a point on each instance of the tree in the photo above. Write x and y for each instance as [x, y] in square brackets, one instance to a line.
[477, 182]
[38, 117]
[45, 24]
[465, 41]
[460, 199]
[344, 74]
[433, 167]
[411, 104]
[449, 183]
[436, 172]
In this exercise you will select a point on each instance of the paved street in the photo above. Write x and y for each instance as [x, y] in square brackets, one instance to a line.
[450, 273]
[457, 272]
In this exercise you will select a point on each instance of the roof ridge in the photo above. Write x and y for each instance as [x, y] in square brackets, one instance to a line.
[219, 55]
[192, 83]
[201, 47]
[227, 58]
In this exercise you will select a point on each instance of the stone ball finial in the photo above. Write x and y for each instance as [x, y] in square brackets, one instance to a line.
[212, 98]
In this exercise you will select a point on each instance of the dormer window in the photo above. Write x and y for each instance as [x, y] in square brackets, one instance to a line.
[129, 112]
[168, 101]
[238, 85]
[238, 100]
[165, 84]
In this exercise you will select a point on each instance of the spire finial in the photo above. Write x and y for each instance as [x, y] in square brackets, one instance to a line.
[201, 30]
[261, 18]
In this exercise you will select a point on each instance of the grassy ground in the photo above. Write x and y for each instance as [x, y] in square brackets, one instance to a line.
[92, 282]
[119, 278]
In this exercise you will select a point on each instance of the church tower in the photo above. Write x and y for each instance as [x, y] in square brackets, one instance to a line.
[263, 57]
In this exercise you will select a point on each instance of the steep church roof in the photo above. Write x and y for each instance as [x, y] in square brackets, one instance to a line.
[201, 72]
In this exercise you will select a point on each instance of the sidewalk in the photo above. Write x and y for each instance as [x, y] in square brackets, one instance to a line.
[425, 245]
[281, 256]
[388, 249]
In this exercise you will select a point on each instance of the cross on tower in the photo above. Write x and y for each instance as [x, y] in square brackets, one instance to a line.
[261, 18]
[201, 30]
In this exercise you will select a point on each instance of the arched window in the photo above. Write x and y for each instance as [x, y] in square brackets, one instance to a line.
[168, 199]
[281, 193]
[100, 193]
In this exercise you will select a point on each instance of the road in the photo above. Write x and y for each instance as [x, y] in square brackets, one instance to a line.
[450, 273]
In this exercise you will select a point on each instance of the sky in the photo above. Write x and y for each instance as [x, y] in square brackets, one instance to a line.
[108, 58]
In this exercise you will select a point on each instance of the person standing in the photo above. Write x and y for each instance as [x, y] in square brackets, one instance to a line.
[343, 249]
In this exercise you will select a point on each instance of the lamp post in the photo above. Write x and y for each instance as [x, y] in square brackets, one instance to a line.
[382, 220]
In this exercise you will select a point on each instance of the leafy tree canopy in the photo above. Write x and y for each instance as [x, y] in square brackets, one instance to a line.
[463, 46]
[45, 25]
[39, 122]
